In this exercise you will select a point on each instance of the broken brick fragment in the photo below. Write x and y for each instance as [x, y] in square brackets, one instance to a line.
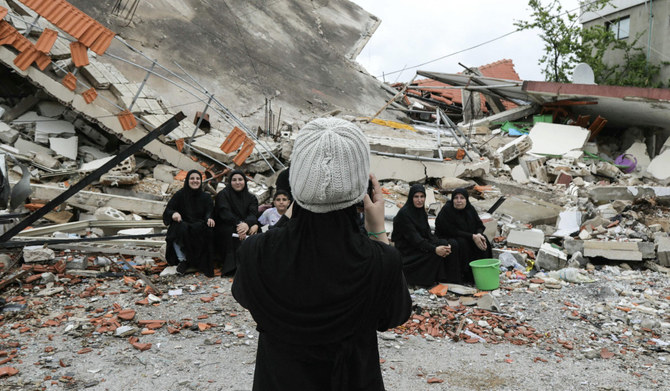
[8, 371]
[84, 350]
[141, 346]
[434, 380]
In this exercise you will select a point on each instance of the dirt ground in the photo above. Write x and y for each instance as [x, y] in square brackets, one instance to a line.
[590, 337]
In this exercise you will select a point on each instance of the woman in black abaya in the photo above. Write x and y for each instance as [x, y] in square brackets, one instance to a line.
[236, 218]
[188, 216]
[319, 289]
[458, 220]
[426, 259]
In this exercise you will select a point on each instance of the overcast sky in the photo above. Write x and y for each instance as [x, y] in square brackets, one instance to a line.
[418, 31]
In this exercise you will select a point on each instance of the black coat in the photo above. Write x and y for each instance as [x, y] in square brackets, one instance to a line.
[460, 225]
[319, 290]
[232, 207]
[413, 238]
[192, 233]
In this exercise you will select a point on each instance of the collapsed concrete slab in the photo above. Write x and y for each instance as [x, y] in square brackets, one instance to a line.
[91, 201]
[97, 114]
[407, 170]
[659, 168]
[663, 251]
[556, 139]
[620, 251]
[529, 238]
[524, 209]
[602, 194]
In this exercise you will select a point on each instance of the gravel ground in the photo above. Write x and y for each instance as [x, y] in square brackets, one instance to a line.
[607, 335]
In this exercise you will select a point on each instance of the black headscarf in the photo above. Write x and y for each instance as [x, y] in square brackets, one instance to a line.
[242, 205]
[194, 205]
[452, 222]
[410, 226]
[409, 214]
[192, 234]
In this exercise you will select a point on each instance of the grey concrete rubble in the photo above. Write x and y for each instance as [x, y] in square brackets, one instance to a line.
[578, 215]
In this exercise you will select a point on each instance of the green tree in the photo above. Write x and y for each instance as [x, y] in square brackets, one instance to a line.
[566, 44]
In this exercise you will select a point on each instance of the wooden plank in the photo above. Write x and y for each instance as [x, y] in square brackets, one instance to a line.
[13, 278]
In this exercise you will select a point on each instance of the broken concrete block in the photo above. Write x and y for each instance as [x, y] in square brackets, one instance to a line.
[89, 153]
[117, 179]
[514, 149]
[66, 147]
[47, 278]
[663, 251]
[37, 254]
[568, 222]
[52, 128]
[50, 109]
[639, 151]
[519, 175]
[109, 214]
[523, 208]
[528, 238]
[29, 148]
[78, 263]
[601, 194]
[606, 169]
[95, 164]
[572, 246]
[550, 258]
[659, 168]
[8, 135]
[165, 173]
[452, 183]
[534, 167]
[556, 139]
[620, 251]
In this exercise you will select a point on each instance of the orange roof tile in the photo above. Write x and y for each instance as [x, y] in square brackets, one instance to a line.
[127, 120]
[90, 95]
[70, 81]
[74, 22]
[3, 12]
[46, 40]
[42, 61]
[79, 54]
[91, 34]
[233, 141]
[9, 36]
[245, 151]
[103, 41]
[503, 69]
[25, 58]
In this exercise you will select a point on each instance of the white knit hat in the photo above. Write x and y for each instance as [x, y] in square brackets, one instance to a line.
[330, 165]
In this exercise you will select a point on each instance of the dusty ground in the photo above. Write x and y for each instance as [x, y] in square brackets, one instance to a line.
[624, 312]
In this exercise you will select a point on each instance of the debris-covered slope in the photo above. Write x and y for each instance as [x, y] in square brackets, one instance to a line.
[244, 51]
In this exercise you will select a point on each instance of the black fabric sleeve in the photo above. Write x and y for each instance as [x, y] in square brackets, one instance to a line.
[209, 210]
[252, 212]
[397, 303]
[170, 208]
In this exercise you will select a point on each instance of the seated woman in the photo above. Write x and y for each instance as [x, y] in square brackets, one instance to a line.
[236, 212]
[281, 202]
[188, 216]
[458, 220]
[426, 259]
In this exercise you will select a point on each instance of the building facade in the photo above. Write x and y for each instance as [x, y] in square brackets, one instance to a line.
[629, 19]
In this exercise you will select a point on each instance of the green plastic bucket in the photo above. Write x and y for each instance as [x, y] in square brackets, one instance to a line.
[486, 273]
